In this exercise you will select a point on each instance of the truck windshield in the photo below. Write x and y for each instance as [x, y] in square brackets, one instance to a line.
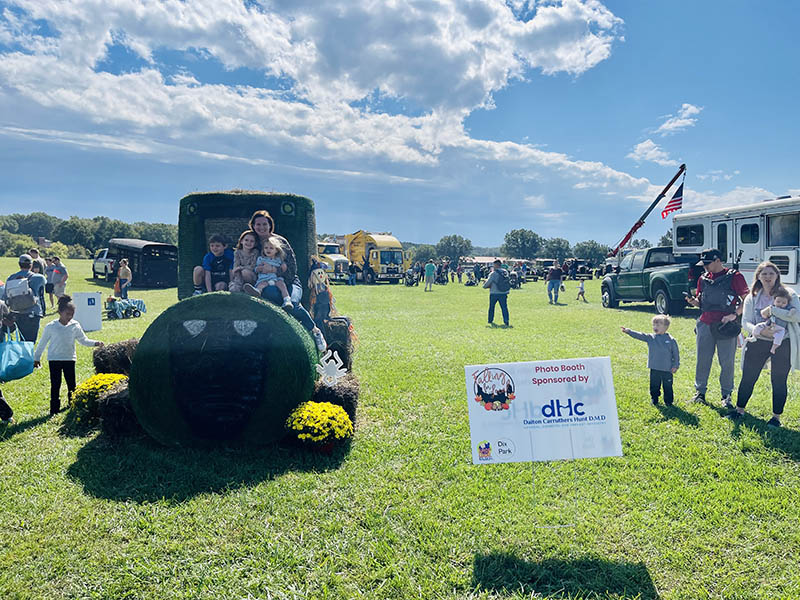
[391, 257]
[328, 249]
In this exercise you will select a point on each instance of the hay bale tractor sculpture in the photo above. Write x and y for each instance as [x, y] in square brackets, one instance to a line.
[222, 367]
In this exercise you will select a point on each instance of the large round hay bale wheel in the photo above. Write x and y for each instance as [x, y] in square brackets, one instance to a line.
[221, 367]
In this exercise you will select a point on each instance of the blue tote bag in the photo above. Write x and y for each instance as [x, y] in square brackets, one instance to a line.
[16, 358]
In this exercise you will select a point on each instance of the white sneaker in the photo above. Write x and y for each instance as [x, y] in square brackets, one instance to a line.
[287, 304]
[251, 290]
[320, 340]
[197, 292]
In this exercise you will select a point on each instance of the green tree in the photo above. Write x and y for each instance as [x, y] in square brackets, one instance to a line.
[557, 248]
[521, 243]
[14, 244]
[454, 247]
[423, 252]
[666, 239]
[106, 228]
[57, 249]
[640, 243]
[592, 251]
[166, 233]
[9, 224]
[37, 224]
[76, 231]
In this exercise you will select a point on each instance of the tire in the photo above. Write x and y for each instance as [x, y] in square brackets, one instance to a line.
[664, 305]
[112, 315]
[608, 299]
[137, 313]
[94, 273]
[369, 278]
[109, 276]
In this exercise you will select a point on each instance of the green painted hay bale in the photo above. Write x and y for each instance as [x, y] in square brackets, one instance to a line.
[221, 367]
[228, 213]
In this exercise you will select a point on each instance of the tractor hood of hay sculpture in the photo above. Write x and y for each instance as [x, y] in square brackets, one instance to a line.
[221, 367]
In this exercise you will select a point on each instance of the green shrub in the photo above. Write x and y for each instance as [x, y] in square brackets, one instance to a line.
[320, 424]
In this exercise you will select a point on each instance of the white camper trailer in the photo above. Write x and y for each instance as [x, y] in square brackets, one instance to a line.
[768, 230]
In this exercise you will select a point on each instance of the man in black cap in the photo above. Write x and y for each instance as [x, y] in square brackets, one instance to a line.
[720, 297]
[28, 320]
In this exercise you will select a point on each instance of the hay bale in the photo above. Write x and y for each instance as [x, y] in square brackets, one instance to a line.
[228, 213]
[344, 394]
[221, 367]
[339, 335]
[117, 418]
[115, 358]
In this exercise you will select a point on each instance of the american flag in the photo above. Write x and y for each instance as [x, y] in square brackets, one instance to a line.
[675, 203]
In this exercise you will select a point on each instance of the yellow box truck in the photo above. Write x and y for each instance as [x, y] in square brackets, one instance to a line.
[378, 256]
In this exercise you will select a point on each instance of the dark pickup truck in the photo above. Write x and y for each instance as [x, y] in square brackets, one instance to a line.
[653, 275]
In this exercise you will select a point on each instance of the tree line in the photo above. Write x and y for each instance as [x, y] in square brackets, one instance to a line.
[519, 243]
[75, 237]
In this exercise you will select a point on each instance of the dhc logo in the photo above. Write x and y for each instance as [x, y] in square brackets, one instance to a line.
[554, 408]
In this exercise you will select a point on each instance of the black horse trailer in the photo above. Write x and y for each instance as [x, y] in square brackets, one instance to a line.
[152, 264]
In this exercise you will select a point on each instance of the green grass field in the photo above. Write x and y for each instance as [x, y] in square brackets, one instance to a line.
[697, 507]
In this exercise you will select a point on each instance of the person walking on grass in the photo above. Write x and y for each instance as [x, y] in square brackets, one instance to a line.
[760, 307]
[6, 326]
[554, 277]
[663, 358]
[28, 319]
[430, 274]
[720, 296]
[499, 285]
[581, 292]
[61, 334]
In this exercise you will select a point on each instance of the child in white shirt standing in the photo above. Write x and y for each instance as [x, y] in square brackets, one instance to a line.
[62, 334]
[581, 292]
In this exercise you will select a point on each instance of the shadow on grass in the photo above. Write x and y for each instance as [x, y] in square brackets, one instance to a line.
[680, 415]
[9, 431]
[647, 307]
[781, 439]
[138, 469]
[504, 573]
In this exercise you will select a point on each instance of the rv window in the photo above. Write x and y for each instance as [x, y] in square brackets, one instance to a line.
[783, 230]
[689, 235]
[748, 234]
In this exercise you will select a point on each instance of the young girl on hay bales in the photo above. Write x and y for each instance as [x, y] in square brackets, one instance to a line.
[61, 334]
[244, 261]
[268, 266]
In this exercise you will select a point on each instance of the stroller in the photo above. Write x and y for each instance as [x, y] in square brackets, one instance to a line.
[411, 278]
[471, 281]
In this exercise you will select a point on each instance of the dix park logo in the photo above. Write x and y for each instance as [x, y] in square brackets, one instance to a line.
[493, 388]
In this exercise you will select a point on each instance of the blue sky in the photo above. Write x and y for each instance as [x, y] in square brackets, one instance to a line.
[422, 118]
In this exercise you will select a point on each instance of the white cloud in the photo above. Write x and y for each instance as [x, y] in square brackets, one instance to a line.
[534, 201]
[650, 151]
[684, 119]
[717, 175]
[695, 200]
[338, 61]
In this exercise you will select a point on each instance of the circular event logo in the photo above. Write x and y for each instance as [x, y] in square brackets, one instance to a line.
[493, 389]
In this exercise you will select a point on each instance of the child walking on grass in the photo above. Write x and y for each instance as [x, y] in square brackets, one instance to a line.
[662, 357]
[581, 292]
[61, 334]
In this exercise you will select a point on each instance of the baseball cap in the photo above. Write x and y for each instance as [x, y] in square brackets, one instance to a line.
[25, 259]
[709, 256]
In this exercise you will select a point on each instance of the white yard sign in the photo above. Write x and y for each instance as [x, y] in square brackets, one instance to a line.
[545, 410]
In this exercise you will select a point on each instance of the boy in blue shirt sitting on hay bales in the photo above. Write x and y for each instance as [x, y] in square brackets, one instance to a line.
[215, 274]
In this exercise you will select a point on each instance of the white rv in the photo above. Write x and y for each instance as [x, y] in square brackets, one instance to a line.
[768, 230]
